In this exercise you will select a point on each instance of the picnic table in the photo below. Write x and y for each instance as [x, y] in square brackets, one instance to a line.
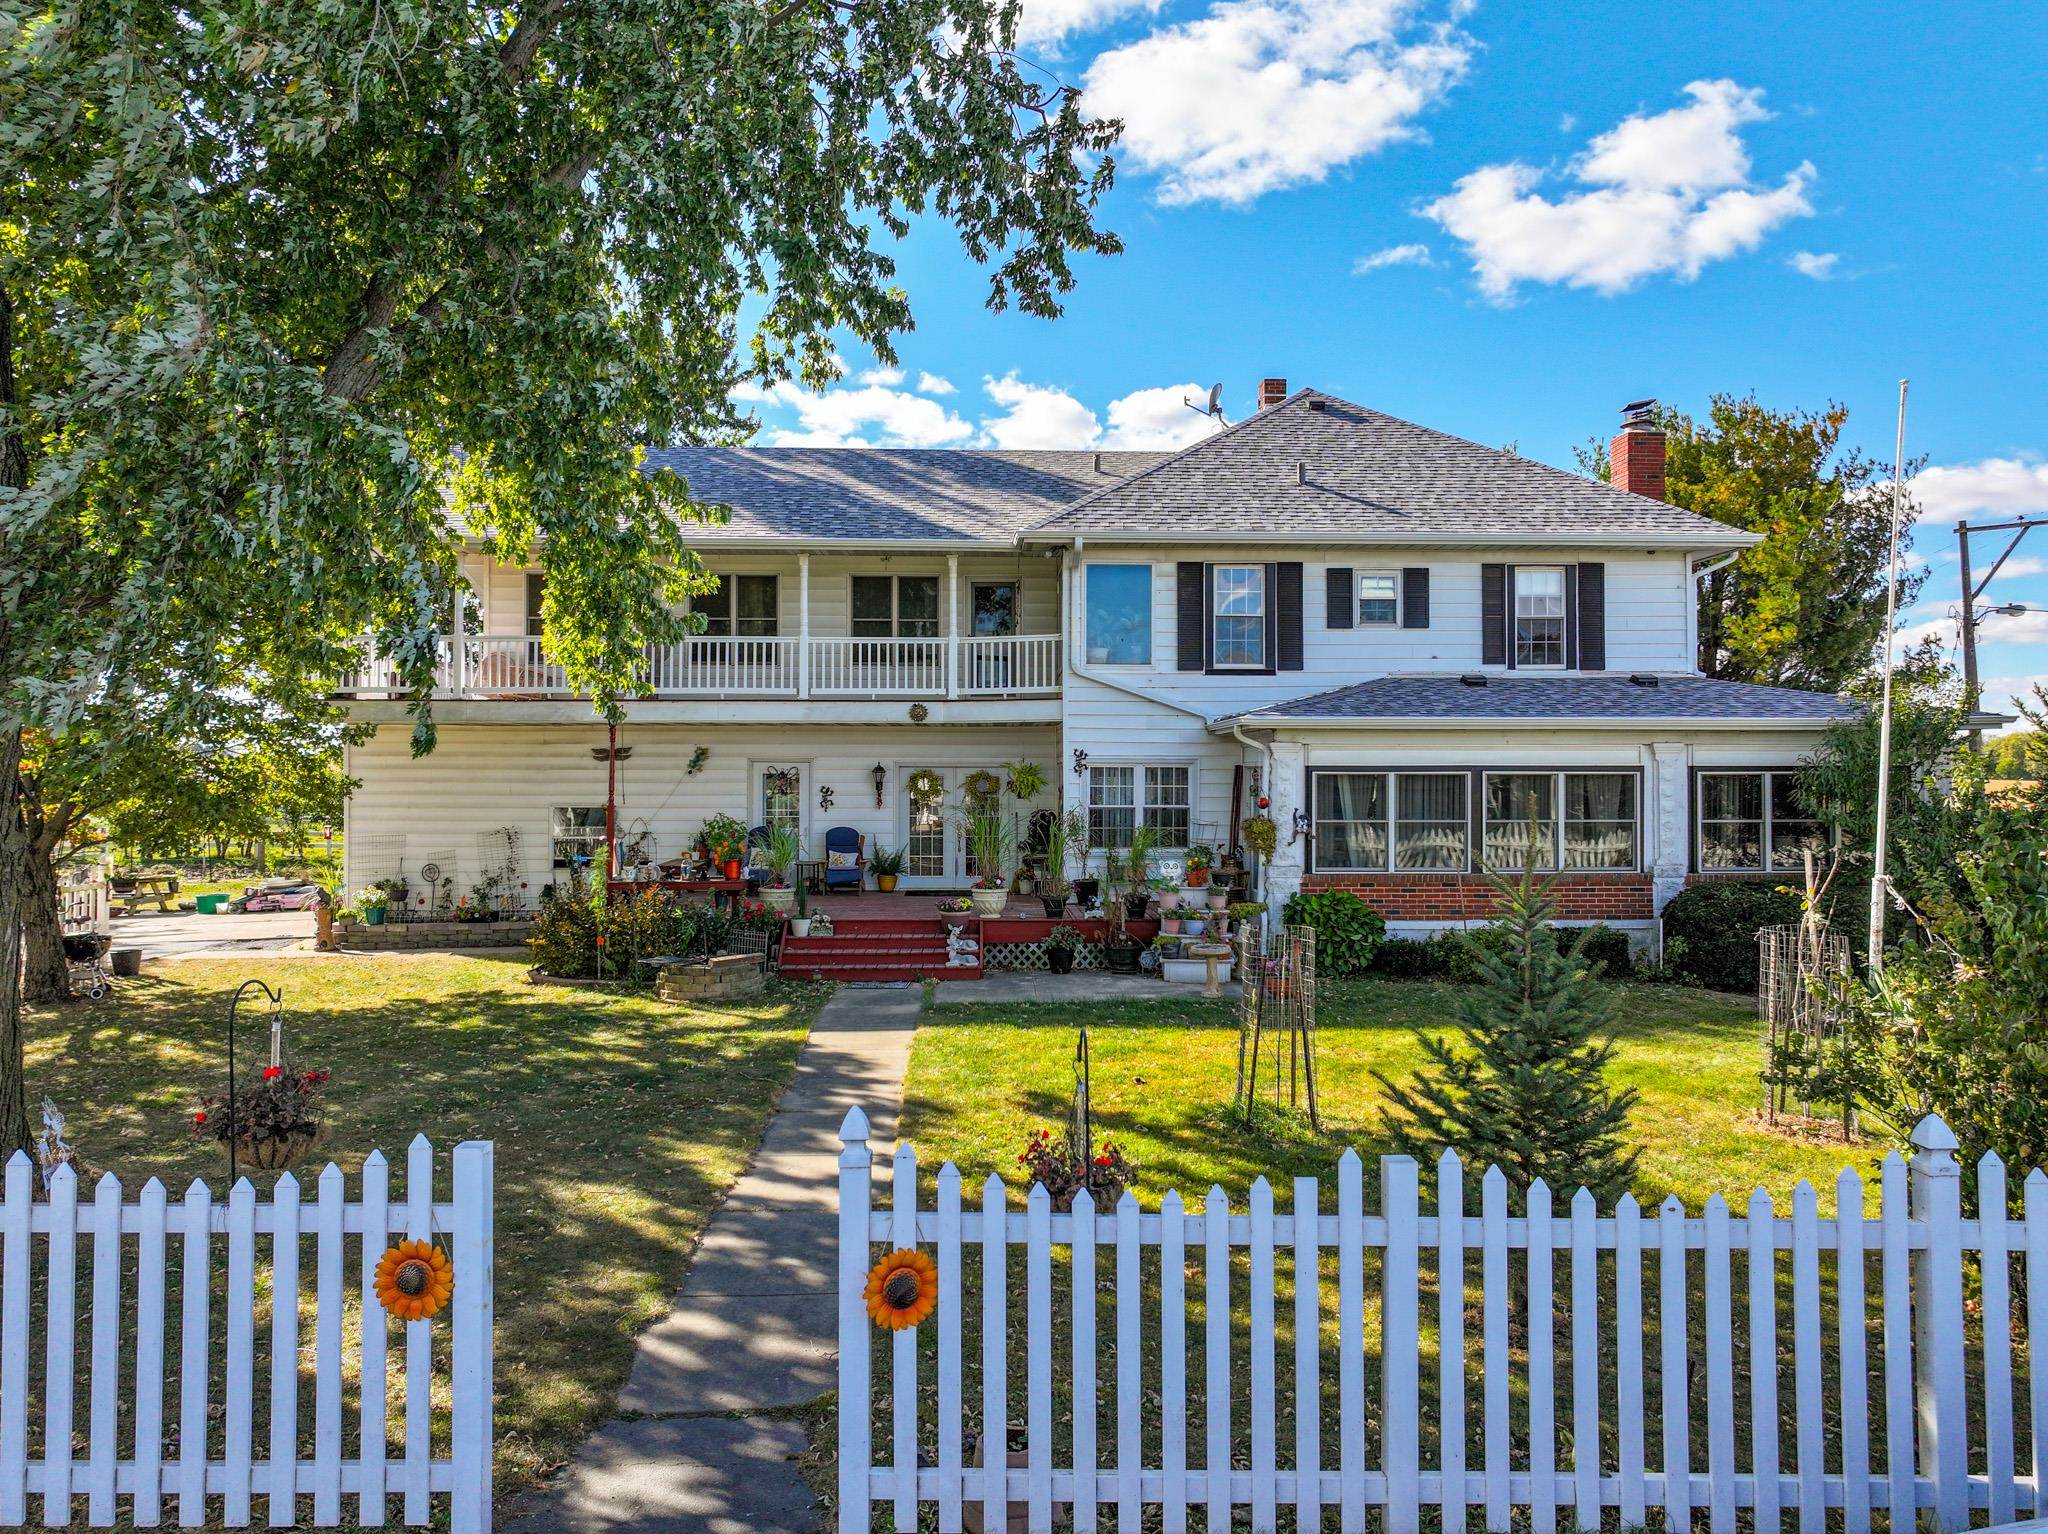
[131, 892]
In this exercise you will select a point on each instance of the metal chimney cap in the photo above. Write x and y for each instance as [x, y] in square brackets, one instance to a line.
[1640, 412]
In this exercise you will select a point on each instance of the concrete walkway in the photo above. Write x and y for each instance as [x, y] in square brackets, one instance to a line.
[698, 1445]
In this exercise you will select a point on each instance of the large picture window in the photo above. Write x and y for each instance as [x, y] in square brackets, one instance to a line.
[1539, 615]
[1122, 798]
[1754, 821]
[743, 605]
[1390, 821]
[1119, 615]
[1552, 820]
[1239, 606]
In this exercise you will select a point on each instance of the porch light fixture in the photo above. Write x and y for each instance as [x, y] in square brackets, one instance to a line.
[881, 777]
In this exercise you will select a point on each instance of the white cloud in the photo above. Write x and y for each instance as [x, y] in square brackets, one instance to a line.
[1821, 266]
[2002, 694]
[887, 378]
[932, 383]
[1393, 255]
[1035, 415]
[2019, 567]
[1667, 193]
[870, 415]
[2007, 487]
[2028, 628]
[1258, 95]
[1047, 23]
[1158, 418]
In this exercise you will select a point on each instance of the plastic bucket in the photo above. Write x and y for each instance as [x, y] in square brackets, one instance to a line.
[209, 905]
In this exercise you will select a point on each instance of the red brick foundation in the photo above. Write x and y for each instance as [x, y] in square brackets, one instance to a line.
[1466, 897]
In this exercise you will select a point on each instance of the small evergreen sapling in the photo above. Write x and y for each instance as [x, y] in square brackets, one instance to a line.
[1523, 1085]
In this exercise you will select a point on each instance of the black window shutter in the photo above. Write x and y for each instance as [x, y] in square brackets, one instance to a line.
[1571, 617]
[1191, 603]
[1338, 585]
[1493, 606]
[1507, 627]
[1415, 597]
[1593, 617]
[1288, 584]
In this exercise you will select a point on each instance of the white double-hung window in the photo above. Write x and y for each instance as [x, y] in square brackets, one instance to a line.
[1238, 604]
[1539, 616]
[1122, 798]
[1379, 599]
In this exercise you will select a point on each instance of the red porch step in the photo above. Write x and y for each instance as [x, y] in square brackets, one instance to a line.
[875, 949]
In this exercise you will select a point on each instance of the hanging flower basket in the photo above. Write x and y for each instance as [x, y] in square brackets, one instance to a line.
[278, 1153]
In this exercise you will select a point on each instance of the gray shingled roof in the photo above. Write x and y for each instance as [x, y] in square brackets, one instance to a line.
[1318, 466]
[809, 494]
[1553, 699]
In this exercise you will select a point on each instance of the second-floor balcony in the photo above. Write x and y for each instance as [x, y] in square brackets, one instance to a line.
[511, 666]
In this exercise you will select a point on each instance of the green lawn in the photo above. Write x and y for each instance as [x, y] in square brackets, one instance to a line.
[1163, 1072]
[619, 1122]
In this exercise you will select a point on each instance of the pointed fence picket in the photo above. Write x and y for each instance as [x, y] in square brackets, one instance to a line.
[1954, 1427]
[106, 1340]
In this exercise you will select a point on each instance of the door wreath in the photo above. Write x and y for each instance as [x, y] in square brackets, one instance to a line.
[982, 786]
[926, 784]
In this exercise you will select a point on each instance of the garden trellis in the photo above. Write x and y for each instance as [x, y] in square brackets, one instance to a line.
[1621, 1414]
[152, 1307]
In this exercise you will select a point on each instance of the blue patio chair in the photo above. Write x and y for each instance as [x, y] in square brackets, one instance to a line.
[846, 864]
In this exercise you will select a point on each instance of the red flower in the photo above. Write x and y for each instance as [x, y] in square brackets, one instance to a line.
[199, 1118]
[272, 1072]
[1103, 1160]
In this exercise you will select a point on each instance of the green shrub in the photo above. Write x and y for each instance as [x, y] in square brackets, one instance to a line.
[650, 925]
[564, 940]
[1464, 951]
[1710, 931]
[1347, 929]
[1601, 945]
[1408, 958]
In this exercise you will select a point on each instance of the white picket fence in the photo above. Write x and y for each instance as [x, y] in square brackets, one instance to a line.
[210, 1469]
[1728, 1457]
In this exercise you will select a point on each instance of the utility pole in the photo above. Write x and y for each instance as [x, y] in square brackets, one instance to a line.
[1973, 589]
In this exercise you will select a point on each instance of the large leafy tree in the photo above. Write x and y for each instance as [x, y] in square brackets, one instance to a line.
[1806, 607]
[286, 283]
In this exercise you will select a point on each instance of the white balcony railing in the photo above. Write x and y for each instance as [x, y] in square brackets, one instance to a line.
[517, 666]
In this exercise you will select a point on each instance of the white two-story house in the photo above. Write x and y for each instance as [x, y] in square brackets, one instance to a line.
[1425, 656]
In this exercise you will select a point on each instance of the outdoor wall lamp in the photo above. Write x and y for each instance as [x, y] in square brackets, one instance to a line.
[881, 777]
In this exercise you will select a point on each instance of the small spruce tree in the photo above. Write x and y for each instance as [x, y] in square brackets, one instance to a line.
[1522, 1085]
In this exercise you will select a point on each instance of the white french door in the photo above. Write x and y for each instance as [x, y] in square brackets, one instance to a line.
[928, 827]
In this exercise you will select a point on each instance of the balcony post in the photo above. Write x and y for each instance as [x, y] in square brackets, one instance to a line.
[952, 625]
[803, 625]
[458, 680]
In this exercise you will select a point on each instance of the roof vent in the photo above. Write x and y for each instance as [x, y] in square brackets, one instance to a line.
[1301, 471]
[1319, 405]
[1472, 679]
[1641, 679]
[1098, 463]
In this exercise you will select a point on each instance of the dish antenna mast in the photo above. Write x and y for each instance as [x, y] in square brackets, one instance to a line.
[1213, 409]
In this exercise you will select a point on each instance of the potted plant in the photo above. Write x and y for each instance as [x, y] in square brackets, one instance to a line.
[1193, 925]
[1261, 834]
[1168, 894]
[1053, 883]
[990, 842]
[1137, 870]
[1219, 898]
[1169, 922]
[781, 854]
[1061, 944]
[276, 1121]
[800, 923]
[726, 840]
[956, 911]
[1120, 952]
[373, 903]
[886, 864]
[1200, 860]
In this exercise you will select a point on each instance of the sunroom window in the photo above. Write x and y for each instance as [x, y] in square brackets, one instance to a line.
[1754, 821]
[1425, 832]
[1550, 820]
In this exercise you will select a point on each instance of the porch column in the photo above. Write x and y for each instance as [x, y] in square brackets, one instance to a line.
[803, 625]
[952, 625]
[1284, 787]
[458, 641]
[1669, 818]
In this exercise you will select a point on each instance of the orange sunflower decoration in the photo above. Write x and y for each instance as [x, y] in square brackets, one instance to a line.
[414, 1280]
[902, 1289]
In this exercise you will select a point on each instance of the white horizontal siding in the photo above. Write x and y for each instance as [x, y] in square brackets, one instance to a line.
[439, 807]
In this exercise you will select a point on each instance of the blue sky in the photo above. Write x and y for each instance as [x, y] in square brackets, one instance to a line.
[1506, 221]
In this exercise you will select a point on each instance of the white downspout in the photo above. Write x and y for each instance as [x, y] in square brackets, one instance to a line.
[1265, 779]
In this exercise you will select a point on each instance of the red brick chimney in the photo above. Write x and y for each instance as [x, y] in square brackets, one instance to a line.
[1637, 452]
[1271, 392]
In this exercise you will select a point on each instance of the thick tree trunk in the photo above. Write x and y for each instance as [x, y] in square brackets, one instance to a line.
[14, 849]
[46, 978]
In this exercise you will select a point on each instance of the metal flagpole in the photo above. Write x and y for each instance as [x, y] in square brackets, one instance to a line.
[1879, 884]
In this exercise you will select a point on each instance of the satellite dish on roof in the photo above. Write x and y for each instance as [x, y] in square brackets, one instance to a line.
[1215, 406]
